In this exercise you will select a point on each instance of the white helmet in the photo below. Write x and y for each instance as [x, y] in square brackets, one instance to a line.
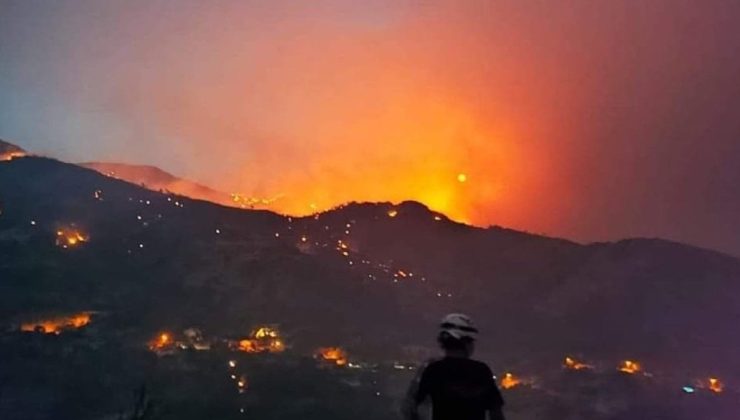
[458, 326]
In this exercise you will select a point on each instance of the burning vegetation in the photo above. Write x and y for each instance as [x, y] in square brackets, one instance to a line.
[510, 381]
[57, 325]
[70, 237]
[573, 364]
[161, 342]
[263, 339]
[333, 355]
[631, 367]
[11, 155]
[712, 384]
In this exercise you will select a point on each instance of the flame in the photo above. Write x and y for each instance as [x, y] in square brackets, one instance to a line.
[510, 381]
[59, 324]
[265, 332]
[70, 237]
[571, 363]
[715, 385]
[631, 367]
[11, 155]
[263, 339]
[246, 202]
[161, 341]
[334, 355]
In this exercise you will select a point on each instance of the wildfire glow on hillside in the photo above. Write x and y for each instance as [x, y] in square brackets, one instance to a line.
[573, 364]
[510, 381]
[57, 325]
[162, 341]
[629, 366]
[263, 339]
[334, 355]
[11, 155]
[70, 237]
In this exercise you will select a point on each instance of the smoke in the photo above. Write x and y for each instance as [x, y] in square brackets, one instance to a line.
[586, 119]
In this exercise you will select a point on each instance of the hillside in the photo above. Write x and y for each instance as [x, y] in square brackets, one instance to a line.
[156, 179]
[371, 277]
[9, 151]
[646, 297]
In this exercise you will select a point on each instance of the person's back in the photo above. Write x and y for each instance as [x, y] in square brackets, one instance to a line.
[460, 388]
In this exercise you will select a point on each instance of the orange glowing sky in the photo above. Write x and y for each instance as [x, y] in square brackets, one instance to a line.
[589, 120]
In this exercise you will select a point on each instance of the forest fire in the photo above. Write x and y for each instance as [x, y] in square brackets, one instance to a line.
[70, 237]
[573, 364]
[334, 355]
[631, 367]
[510, 381]
[263, 339]
[58, 324]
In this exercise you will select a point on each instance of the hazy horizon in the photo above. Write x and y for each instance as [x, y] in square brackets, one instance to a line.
[589, 121]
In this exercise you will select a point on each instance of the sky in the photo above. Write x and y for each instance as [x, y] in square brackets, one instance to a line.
[589, 120]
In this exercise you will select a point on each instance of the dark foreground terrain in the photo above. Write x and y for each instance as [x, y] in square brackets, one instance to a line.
[372, 279]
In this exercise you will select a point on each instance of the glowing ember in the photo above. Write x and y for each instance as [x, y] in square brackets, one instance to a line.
[510, 381]
[628, 366]
[11, 155]
[263, 339]
[715, 385]
[571, 363]
[333, 355]
[243, 201]
[69, 237]
[58, 324]
[162, 341]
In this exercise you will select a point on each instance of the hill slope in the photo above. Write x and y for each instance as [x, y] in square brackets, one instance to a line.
[156, 179]
[372, 277]
[9, 151]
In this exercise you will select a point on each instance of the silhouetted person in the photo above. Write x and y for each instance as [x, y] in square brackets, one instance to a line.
[460, 388]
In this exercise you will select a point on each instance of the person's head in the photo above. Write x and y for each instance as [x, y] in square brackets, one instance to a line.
[457, 335]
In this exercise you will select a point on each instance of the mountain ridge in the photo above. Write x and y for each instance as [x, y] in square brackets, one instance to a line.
[170, 260]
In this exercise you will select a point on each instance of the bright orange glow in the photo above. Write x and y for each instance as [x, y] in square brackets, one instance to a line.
[629, 366]
[462, 177]
[70, 237]
[263, 339]
[715, 385]
[571, 363]
[58, 324]
[334, 355]
[161, 341]
[510, 381]
[11, 155]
